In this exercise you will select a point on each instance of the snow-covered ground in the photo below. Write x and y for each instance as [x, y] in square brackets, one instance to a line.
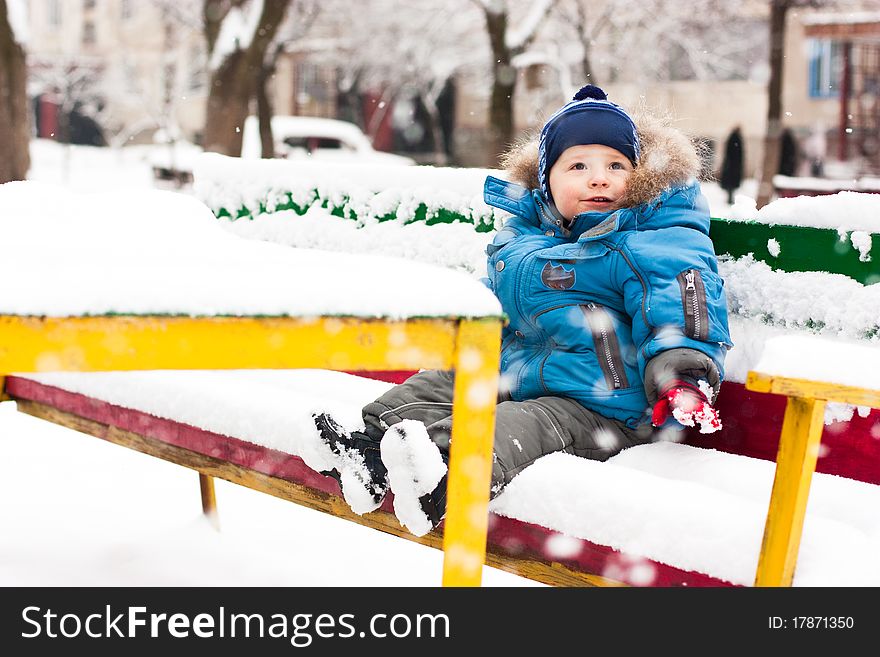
[739, 485]
[78, 511]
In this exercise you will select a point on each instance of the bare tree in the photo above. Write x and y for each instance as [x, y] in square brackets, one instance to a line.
[507, 40]
[299, 21]
[588, 25]
[238, 35]
[14, 127]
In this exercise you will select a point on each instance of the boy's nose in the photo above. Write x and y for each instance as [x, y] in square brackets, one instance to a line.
[598, 180]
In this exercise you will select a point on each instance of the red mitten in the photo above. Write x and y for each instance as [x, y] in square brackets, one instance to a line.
[688, 404]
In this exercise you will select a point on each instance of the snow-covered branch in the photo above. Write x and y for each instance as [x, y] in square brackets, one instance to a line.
[16, 14]
[237, 30]
[525, 32]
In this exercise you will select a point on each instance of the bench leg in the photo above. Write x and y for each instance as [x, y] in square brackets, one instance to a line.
[209, 499]
[470, 460]
[795, 464]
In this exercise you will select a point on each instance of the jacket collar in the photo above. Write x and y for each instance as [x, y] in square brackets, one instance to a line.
[533, 206]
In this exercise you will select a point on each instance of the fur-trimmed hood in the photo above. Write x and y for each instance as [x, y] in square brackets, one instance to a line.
[668, 159]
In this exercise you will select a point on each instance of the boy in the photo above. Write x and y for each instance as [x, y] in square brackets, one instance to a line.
[617, 315]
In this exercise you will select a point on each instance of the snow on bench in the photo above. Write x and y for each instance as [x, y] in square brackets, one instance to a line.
[161, 253]
[814, 359]
[353, 207]
[791, 186]
[696, 510]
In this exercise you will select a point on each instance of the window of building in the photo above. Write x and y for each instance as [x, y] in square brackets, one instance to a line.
[826, 60]
[88, 33]
[127, 10]
[53, 10]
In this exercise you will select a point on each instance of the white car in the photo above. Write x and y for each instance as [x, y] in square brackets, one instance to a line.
[298, 137]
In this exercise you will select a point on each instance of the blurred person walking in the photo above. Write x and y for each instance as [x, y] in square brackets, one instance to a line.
[788, 154]
[732, 164]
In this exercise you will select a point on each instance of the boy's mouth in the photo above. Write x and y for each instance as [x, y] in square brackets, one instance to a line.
[598, 199]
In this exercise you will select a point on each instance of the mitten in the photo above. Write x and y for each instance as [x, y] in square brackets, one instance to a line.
[688, 404]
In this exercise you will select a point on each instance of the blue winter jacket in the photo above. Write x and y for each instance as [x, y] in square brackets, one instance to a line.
[590, 306]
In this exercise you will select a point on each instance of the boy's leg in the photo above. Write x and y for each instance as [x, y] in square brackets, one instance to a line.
[525, 431]
[426, 397]
[359, 468]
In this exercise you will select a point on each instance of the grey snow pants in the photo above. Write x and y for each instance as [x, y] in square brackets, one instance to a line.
[524, 430]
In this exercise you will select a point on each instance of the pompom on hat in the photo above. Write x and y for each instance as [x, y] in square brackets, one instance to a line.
[589, 118]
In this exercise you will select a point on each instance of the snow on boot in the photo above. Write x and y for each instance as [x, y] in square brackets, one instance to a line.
[359, 469]
[415, 470]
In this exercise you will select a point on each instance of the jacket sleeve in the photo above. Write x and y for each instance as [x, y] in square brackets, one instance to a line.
[675, 297]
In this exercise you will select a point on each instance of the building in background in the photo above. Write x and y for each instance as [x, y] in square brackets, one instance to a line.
[130, 68]
[132, 71]
[842, 79]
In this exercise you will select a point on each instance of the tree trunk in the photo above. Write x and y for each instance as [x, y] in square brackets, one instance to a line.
[228, 101]
[14, 124]
[429, 102]
[586, 37]
[232, 83]
[501, 130]
[264, 112]
[770, 165]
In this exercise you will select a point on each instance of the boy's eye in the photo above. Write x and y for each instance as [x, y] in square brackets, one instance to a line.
[579, 166]
[617, 165]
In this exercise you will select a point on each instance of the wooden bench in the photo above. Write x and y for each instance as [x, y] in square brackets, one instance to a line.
[98, 321]
[514, 545]
[34, 343]
[469, 346]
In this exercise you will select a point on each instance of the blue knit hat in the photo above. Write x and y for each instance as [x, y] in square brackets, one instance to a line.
[590, 118]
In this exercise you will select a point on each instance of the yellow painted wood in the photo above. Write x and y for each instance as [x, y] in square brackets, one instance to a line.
[795, 463]
[475, 396]
[779, 385]
[209, 499]
[41, 344]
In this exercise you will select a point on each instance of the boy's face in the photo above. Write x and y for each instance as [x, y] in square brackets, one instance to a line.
[589, 178]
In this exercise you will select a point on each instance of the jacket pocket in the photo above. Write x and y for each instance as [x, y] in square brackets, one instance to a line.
[606, 345]
[693, 300]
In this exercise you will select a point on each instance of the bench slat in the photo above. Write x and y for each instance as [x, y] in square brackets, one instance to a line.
[833, 392]
[29, 343]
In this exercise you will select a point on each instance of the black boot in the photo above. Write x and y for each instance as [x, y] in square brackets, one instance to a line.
[360, 472]
[434, 503]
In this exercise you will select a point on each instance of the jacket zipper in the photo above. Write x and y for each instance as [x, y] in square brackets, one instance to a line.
[695, 304]
[615, 377]
[696, 316]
